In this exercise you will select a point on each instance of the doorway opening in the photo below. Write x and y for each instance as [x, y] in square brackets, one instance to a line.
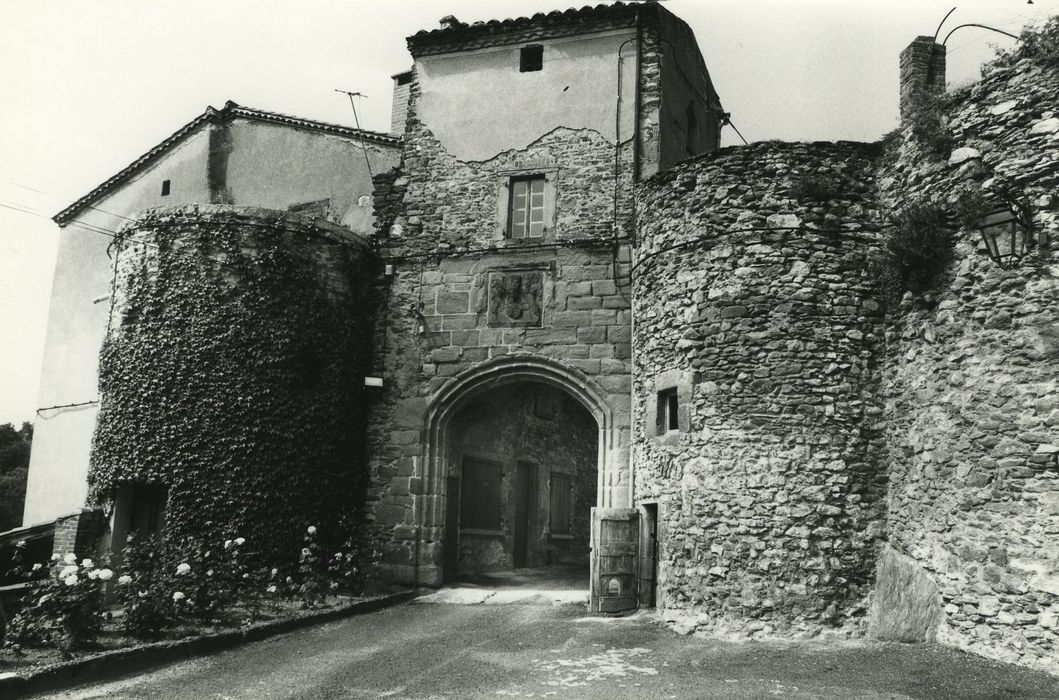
[521, 480]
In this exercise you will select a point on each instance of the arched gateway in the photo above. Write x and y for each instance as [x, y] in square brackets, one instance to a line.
[477, 392]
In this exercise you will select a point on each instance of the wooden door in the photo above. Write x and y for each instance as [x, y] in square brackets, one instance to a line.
[615, 561]
[452, 530]
[524, 497]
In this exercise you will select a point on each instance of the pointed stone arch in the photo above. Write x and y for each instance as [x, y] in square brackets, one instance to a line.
[614, 484]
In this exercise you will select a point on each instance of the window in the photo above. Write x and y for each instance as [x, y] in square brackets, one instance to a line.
[165, 188]
[692, 143]
[403, 78]
[480, 496]
[531, 58]
[561, 501]
[667, 418]
[526, 210]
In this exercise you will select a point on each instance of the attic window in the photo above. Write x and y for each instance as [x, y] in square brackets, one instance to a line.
[531, 58]
[165, 188]
[404, 78]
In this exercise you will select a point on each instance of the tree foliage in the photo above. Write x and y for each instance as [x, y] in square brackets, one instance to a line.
[14, 467]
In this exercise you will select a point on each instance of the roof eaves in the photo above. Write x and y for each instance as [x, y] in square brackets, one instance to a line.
[477, 31]
[230, 111]
[64, 216]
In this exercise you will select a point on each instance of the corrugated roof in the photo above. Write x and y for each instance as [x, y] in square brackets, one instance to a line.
[230, 111]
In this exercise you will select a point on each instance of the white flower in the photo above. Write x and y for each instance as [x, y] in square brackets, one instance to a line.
[275, 571]
[183, 568]
[70, 580]
[68, 571]
[227, 544]
[105, 574]
[70, 559]
[177, 596]
[338, 555]
[209, 572]
[36, 567]
[312, 529]
[334, 585]
[55, 557]
[270, 589]
[290, 580]
[240, 541]
[20, 543]
[93, 574]
[124, 580]
[305, 551]
[87, 564]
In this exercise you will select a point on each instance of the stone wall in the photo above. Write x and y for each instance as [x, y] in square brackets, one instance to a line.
[752, 300]
[972, 412]
[462, 295]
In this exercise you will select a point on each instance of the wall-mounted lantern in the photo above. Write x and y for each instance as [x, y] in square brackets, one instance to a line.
[1007, 233]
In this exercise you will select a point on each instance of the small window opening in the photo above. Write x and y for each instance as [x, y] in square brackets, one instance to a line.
[404, 78]
[165, 188]
[531, 58]
[692, 144]
[668, 404]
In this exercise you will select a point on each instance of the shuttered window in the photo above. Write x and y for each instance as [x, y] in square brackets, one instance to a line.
[480, 496]
[526, 215]
[561, 504]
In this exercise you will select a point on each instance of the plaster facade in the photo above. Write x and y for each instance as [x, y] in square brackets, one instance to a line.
[234, 156]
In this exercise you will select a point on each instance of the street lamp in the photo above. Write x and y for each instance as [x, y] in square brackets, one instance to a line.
[1006, 233]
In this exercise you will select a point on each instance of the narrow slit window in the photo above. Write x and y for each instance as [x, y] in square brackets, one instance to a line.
[526, 215]
[165, 188]
[668, 407]
[531, 58]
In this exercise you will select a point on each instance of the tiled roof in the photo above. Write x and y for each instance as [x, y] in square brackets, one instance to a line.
[212, 115]
[465, 37]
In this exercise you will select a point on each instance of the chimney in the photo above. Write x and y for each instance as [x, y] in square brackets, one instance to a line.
[402, 83]
[922, 73]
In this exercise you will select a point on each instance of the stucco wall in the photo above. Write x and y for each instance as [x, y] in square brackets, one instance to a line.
[76, 324]
[278, 166]
[478, 104]
[972, 410]
[753, 302]
[685, 82]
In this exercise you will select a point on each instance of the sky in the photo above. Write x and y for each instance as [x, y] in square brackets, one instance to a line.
[87, 87]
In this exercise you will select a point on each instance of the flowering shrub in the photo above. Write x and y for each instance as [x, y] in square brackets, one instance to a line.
[64, 609]
[355, 566]
[144, 587]
[313, 581]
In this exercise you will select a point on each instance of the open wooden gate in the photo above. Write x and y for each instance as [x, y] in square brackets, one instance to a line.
[615, 559]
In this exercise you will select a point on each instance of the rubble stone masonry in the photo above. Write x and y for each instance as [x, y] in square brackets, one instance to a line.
[752, 299]
[972, 409]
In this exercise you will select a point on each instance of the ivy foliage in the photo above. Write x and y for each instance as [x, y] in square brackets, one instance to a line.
[917, 249]
[232, 378]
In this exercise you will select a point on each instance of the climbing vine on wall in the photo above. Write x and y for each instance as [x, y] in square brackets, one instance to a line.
[232, 378]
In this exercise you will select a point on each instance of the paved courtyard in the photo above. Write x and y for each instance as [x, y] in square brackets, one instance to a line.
[525, 642]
